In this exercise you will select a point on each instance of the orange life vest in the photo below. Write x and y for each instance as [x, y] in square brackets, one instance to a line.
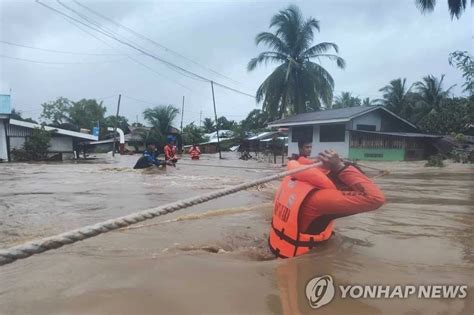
[194, 152]
[286, 240]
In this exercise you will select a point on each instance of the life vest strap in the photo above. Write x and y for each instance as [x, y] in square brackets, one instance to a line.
[297, 243]
[275, 251]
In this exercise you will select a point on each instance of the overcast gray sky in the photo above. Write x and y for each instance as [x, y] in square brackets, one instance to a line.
[380, 40]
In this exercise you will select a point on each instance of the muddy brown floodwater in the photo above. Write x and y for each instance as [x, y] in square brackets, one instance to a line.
[213, 258]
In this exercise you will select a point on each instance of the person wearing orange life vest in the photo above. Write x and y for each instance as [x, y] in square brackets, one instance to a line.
[170, 152]
[307, 203]
[194, 152]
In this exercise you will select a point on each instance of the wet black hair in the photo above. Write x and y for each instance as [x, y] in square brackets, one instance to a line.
[301, 143]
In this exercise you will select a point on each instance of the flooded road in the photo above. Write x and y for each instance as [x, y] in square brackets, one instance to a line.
[213, 258]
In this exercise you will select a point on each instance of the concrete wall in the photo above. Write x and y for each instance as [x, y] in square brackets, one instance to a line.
[3, 142]
[340, 147]
[372, 118]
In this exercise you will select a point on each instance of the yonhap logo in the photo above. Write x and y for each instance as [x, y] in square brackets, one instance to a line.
[320, 291]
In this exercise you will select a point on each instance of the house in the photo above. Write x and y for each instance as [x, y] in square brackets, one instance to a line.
[363, 132]
[13, 134]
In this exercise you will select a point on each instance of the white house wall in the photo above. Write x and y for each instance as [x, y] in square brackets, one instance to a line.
[371, 118]
[340, 147]
[3, 142]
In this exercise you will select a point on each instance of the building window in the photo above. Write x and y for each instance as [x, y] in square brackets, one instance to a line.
[365, 127]
[373, 155]
[303, 133]
[332, 133]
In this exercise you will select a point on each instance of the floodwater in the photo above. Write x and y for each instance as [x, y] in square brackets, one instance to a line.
[213, 258]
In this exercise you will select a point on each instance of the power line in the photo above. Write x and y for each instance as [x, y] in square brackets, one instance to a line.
[170, 64]
[59, 63]
[58, 51]
[76, 23]
[153, 41]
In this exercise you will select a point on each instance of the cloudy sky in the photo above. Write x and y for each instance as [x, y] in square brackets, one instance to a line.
[380, 40]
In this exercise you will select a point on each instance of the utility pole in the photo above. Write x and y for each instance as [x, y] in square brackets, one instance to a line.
[217, 125]
[182, 115]
[200, 119]
[115, 124]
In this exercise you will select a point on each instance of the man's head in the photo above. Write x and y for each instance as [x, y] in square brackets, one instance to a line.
[151, 146]
[305, 148]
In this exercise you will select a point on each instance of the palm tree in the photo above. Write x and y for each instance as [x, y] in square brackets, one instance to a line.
[396, 97]
[161, 117]
[208, 125]
[368, 102]
[297, 84]
[456, 7]
[346, 100]
[431, 94]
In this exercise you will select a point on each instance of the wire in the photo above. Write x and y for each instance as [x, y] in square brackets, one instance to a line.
[170, 64]
[154, 42]
[77, 23]
[59, 63]
[58, 51]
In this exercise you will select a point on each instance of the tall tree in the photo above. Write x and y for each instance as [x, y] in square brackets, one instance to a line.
[86, 113]
[18, 115]
[193, 134]
[56, 113]
[224, 124]
[161, 117]
[346, 100]
[431, 94]
[208, 125]
[122, 122]
[456, 7]
[464, 62]
[256, 120]
[298, 84]
[396, 97]
[368, 102]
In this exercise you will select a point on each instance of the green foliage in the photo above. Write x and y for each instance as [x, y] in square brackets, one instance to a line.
[346, 100]
[255, 121]
[35, 147]
[464, 62]
[368, 102]
[208, 125]
[57, 112]
[86, 113]
[63, 113]
[298, 84]
[137, 124]
[225, 124]
[456, 7]
[396, 97]
[193, 135]
[161, 117]
[15, 114]
[431, 94]
[453, 116]
[122, 122]
[435, 161]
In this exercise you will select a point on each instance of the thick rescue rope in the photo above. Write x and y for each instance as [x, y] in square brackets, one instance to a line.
[28, 249]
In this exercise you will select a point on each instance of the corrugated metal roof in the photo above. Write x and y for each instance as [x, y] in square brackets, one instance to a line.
[340, 114]
[64, 132]
[400, 134]
[331, 116]
[263, 135]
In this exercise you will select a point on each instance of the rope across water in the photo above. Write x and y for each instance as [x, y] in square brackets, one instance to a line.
[28, 249]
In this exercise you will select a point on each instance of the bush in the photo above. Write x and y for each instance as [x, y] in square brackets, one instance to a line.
[435, 161]
[35, 147]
